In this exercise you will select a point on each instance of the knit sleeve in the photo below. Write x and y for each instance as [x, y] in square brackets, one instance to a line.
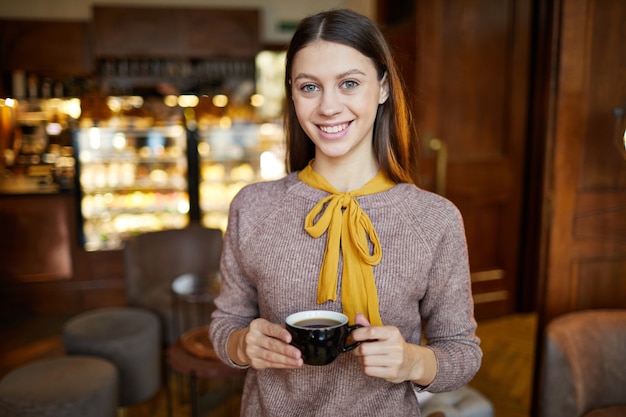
[237, 302]
[448, 310]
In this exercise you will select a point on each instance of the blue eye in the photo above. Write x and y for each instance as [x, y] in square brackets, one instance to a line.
[309, 88]
[350, 84]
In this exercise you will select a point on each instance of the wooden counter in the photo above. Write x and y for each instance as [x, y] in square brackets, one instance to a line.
[43, 268]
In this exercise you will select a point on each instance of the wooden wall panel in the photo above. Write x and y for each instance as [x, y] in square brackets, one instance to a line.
[585, 198]
[599, 283]
[604, 168]
[483, 29]
[35, 244]
[42, 267]
[483, 235]
[473, 59]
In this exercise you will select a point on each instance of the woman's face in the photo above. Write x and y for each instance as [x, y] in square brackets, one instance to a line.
[336, 93]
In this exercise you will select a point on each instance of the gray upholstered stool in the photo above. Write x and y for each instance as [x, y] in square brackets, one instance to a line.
[128, 337]
[68, 386]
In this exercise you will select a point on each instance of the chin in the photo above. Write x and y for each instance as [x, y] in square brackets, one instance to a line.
[333, 154]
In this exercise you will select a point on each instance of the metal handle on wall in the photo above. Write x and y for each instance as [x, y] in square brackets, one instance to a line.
[441, 164]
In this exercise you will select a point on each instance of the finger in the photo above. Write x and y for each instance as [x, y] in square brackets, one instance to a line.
[272, 330]
[278, 332]
[381, 364]
[362, 320]
[267, 346]
[284, 349]
[265, 358]
[369, 334]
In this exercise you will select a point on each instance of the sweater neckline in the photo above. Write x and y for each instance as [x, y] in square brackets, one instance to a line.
[369, 201]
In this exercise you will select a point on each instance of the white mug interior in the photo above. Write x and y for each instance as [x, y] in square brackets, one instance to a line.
[316, 314]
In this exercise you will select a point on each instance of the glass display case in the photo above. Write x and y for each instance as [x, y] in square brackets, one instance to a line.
[231, 157]
[130, 180]
[36, 155]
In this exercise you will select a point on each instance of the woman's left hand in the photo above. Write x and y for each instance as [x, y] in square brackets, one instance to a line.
[385, 354]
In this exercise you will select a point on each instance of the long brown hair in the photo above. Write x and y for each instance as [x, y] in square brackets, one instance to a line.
[395, 140]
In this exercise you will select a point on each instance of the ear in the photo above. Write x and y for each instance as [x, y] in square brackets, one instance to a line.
[384, 90]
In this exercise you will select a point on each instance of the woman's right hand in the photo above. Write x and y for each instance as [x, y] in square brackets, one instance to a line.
[264, 345]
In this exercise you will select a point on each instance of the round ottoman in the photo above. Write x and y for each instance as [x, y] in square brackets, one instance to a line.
[128, 337]
[68, 386]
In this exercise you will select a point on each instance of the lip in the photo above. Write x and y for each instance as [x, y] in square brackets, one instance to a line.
[334, 131]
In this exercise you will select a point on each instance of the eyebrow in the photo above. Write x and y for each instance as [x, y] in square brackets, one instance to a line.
[340, 76]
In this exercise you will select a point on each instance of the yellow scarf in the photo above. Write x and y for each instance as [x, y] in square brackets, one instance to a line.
[350, 230]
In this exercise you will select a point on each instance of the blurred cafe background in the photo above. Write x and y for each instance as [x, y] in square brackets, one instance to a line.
[121, 120]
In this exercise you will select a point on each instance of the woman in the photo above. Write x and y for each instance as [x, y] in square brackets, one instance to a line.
[345, 230]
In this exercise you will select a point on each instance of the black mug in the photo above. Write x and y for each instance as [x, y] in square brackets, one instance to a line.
[320, 335]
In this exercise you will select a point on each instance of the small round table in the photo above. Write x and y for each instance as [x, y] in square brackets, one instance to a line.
[192, 300]
[193, 356]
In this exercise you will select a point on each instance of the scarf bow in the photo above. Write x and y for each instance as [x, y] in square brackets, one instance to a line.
[350, 232]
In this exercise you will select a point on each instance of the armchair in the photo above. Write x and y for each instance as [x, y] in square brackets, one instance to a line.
[583, 372]
[152, 260]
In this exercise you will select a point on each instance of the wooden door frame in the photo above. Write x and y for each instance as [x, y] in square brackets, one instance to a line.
[536, 210]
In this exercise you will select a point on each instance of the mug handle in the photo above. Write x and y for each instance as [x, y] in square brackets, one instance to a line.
[353, 345]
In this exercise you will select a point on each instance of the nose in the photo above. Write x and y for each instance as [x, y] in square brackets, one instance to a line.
[330, 104]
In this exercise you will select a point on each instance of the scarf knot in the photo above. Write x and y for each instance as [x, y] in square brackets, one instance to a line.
[346, 199]
[349, 232]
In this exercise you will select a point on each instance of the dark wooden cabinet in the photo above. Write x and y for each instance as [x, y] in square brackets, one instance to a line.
[76, 53]
[175, 32]
[54, 48]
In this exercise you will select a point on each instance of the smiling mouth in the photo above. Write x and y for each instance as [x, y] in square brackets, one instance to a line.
[335, 128]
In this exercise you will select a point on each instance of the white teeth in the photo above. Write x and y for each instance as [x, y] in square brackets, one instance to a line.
[334, 129]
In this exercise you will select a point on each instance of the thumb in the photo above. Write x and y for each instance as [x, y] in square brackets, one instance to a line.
[362, 320]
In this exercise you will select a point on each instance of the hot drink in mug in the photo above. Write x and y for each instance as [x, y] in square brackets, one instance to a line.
[320, 335]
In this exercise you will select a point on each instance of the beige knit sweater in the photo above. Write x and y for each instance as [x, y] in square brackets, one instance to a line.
[270, 268]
